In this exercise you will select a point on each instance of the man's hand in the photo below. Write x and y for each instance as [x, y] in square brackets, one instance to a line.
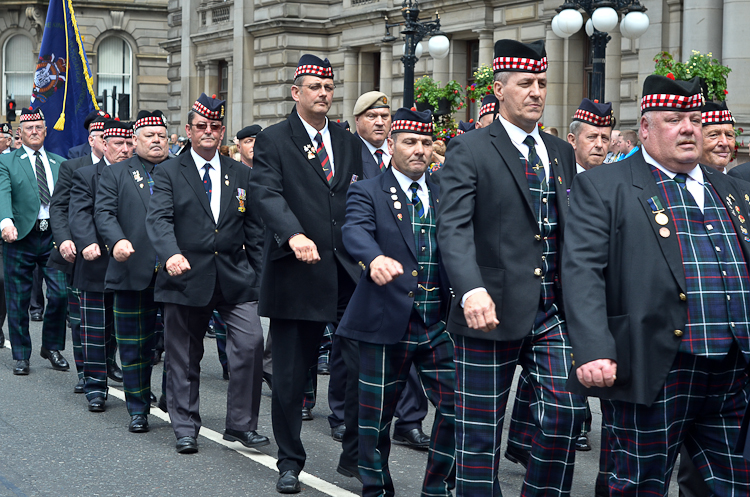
[122, 250]
[176, 265]
[92, 252]
[479, 311]
[68, 250]
[598, 373]
[10, 234]
[305, 249]
[383, 270]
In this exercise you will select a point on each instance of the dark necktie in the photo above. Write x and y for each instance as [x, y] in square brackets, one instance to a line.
[41, 179]
[379, 158]
[323, 156]
[534, 159]
[416, 202]
[681, 179]
[207, 181]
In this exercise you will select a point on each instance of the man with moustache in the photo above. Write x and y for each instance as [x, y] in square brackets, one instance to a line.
[27, 179]
[656, 287]
[487, 111]
[302, 170]
[372, 118]
[590, 132]
[122, 200]
[509, 178]
[246, 143]
[207, 233]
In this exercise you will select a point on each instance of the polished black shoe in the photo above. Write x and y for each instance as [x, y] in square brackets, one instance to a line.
[79, 386]
[337, 433]
[186, 445]
[138, 423]
[114, 373]
[55, 358]
[307, 414]
[516, 455]
[210, 332]
[97, 404]
[414, 438]
[22, 367]
[582, 443]
[349, 471]
[162, 403]
[36, 316]
[268, 379]
[323, 368]
[225, 374]
[249, 439]
[288, 482]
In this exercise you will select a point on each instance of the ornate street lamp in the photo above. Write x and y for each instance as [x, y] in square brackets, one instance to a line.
[603, 17]
[414, 30]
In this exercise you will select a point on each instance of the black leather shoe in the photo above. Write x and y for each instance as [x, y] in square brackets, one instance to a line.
[307, 414]
[22, 367]
[349, 471]
[337, 433]
[268, 378]
[138, 423]
[186, 445]
[323, 368]
[36, 316]
[79, 386]
[225, 374]
[249, 439]
[414, 438]
[288, 482]
[55, 358]
[516, 455]
[210, 332]
[97, 404]
[114, 373]
[582, 443]
[162, 403]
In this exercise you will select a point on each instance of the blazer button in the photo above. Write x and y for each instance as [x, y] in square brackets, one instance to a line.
[216, 231]
[537, 237]
[537, 272]
[678, 333]
[333, 194]
[216, 253]
[334, 222]
[683, 297]
[410, 294]
[414, 273]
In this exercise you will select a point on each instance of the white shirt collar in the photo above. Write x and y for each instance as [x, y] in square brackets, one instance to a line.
[516, 134]
[30, 152]
[200, 161]
[405, 182]
[696, 174]
[312, 131]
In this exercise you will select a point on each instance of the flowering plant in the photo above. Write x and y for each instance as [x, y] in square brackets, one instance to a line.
[483, 78]
[713, 74]
[428, 91]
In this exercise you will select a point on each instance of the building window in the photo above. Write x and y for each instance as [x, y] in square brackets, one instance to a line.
[18, 69]
[115, 65]
[472, 64]
[588, 68]
[376, 71]
[223, 80]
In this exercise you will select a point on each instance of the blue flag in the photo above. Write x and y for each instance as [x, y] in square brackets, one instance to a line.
[62, 81]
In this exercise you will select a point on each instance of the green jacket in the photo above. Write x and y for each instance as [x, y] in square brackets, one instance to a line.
[19, 193]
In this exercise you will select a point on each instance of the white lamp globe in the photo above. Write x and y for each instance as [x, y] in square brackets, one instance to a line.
[589, 28]
[439, 46]
[556, 27]
[635, 24]
[569, 21]
[605, 19]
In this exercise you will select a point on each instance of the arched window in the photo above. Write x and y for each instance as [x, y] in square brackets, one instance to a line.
[18, 69]
[115, 65]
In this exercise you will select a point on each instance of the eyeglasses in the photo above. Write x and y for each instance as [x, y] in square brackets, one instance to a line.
[317, 86]
[203, 126]
[38, 128]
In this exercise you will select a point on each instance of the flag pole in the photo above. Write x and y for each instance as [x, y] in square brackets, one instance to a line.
[60, 124]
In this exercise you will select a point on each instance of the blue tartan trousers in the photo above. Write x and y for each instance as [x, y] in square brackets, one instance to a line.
[74, 314]
[97, 329]
[383, 372]
[484, 375]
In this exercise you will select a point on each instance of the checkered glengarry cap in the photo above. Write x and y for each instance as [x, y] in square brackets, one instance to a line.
[595, 114]
[514, 56]
[310, 65]
[31, 115]
[716, 113]
[665, 94]
[146, 118]
[464, 127]
[210, 107]
[98, 123]
[490, 105]
[93, 115]
[6, 129]
[412, 121]
[113, 128]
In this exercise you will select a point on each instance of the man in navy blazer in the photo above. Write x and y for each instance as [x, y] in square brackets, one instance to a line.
[399, 308]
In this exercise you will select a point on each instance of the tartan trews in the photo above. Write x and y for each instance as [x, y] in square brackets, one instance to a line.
[383, 373]
[97, 323]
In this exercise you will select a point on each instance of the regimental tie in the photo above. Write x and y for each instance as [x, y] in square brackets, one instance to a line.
[415, 200]
[681, 179]
[41, 179]
[207, 181]
[379, 158]
[323, 156]
[534, 159]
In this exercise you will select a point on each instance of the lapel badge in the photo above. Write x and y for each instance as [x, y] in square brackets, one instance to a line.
[394, 197]
[664, 232]
[661, 219]
[393, 189]
[226, 182]
[741, 218]
[24, 156]
[241, 196]
[397, 205]
[141, 185]
[137, 176]
[354, 179]
[747, 198]
[743, 230]
[400, 217]
[747, 238]
[310, 151]
[559, 178]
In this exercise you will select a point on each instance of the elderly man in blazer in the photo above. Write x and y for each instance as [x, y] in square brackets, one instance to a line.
[206, 230]
[302, 170]
[656, 286]
[398, 311]
[500, 232]
[27, 180]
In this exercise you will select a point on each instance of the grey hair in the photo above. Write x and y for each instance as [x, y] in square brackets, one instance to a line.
[575, 128]
[502, 76]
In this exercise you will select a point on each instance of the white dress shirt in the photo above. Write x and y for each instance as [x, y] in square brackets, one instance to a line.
[215, 174]
[405, 183]
[326, 141]
[517, 136]
[694, 183]
[372, 148]
[43, 209]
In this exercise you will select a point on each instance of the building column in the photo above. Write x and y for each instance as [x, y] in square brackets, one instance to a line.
[228, 118]
[351, 60]
[554, 107]
[200, 79]
[706, 16]
[386, 69]
[737, 58]
[486, 47]
[211, 77]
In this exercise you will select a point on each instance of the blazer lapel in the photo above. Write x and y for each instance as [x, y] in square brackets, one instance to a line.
[339, 154]
[509, 153]
[24, 162]
[392, 187]
[558, 177]
[724, 189]
[190, 172]
[228, 186]
[135, 170]
[302, 141]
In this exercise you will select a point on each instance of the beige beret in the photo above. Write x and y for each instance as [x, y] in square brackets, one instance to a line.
[370, 100]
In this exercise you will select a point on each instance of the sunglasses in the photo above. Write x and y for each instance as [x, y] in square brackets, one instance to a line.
[203, 126]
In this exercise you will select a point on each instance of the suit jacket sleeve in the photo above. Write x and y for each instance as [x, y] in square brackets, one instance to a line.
[160, 217]
[584, 261]
[359, 231]
[253, 235]
[6, 205]
[81, 212]
[107, 200]
[59, 205]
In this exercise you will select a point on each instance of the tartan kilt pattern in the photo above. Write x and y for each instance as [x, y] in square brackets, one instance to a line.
[74, 314]
[19, 259]
[135, 323]
[383, 373]
[701, 405]
[484, 375]
[97, 323]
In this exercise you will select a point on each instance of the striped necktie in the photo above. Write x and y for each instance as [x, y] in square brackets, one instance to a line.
[41, 179]
[379, 158]
[323, 156]
[207, 181]
[534, 159]
[416, 202]
[681, 179]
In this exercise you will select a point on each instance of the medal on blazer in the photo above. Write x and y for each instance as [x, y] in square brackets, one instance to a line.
[310, 151]
[658, 209]
[241, 196]
[730, 204]
[226, 179]
[394, 197]
[397, 205]
[393, 189]
[137, 176]
[664, 232]
[400, 217]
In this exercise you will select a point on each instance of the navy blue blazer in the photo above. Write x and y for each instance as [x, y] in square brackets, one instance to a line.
[380, 314]
[370, 168]
[79, 150]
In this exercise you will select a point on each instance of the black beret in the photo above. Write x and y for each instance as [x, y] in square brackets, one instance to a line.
[249, 131]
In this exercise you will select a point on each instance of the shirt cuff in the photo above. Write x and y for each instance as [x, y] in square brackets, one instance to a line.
[5, 223]
[470, 293]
